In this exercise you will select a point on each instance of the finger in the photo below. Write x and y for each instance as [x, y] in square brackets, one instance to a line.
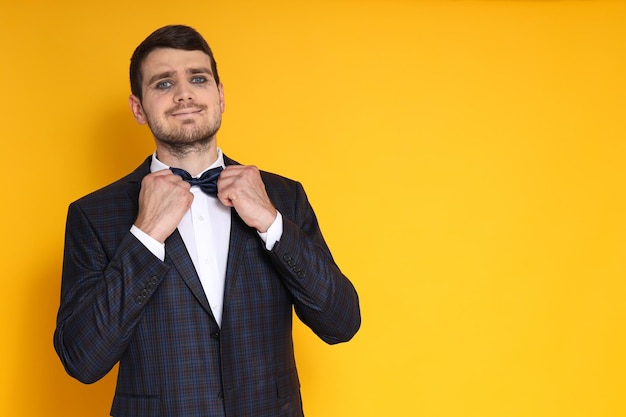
[227, 201]
[239, 170]
[223, 193]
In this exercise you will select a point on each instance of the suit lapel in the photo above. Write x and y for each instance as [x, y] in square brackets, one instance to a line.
[240, 235]
[177, 255]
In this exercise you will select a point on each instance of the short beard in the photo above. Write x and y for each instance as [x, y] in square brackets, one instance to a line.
[181, 142]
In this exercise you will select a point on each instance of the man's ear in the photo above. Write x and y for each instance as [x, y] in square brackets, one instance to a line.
[137, 109]
[220, 90]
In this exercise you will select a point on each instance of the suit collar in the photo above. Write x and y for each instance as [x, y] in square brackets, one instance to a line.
[228, 161]
[141, 171]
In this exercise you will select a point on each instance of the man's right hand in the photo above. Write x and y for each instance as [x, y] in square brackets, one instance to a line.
[163, 201]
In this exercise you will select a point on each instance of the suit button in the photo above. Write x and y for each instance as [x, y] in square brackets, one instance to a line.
[215, 335]
[220, 395]
[154, 280]
[139, 299]
[287, 258]
[302, 274]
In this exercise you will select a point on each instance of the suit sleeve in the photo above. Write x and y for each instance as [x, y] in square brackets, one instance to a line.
[103, 295]
[324, 299]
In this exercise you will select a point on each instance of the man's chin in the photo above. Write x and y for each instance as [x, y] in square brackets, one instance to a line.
[185, 144]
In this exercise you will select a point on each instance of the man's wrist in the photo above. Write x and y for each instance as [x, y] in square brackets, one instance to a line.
[157, 248]
[274, 232]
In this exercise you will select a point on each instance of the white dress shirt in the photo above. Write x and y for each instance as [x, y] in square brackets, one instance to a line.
[205, 230]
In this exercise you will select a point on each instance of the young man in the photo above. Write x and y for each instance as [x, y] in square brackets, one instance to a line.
[190, 286]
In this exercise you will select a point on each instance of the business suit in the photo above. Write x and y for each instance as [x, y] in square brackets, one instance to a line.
[121, 303]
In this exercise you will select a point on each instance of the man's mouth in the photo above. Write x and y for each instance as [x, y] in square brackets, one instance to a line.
[189, 110]
[186, 112]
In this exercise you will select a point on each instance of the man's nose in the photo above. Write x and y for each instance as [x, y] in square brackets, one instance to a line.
[183, 93]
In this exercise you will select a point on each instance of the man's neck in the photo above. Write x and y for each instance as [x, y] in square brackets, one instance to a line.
[193, 161]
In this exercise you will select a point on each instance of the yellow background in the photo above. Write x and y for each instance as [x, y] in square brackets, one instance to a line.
[465, 159]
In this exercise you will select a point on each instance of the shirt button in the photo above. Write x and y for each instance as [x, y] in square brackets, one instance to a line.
[201, 218]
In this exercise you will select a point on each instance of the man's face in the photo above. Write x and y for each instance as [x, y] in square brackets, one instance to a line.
[181, 103]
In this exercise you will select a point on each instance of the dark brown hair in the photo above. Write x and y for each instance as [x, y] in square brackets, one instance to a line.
[172, 36]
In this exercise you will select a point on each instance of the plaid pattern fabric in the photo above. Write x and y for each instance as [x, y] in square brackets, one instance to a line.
[119, 303]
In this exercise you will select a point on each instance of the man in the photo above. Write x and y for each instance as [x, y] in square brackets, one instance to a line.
[193, 293]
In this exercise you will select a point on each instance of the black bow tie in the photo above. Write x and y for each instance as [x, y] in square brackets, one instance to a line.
[207, 181]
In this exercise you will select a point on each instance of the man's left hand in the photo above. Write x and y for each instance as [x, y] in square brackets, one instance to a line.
[241, 187]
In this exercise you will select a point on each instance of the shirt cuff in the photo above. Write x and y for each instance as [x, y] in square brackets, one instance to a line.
[274, 232]
[157, 248]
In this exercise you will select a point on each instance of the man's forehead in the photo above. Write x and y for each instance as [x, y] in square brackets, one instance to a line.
[168, 59]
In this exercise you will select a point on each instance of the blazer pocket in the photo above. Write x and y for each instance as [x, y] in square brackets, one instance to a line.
[136, 405]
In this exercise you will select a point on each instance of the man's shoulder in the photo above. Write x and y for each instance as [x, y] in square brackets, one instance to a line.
[121, 188]
[275, 180]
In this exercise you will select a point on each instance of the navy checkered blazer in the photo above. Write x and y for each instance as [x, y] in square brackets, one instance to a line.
[119, 303]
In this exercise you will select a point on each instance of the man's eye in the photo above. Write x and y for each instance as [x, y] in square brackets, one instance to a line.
[198, 80]
[163, 85]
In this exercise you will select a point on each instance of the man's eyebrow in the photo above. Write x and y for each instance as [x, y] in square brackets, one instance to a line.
[199, 70]
[155, 77]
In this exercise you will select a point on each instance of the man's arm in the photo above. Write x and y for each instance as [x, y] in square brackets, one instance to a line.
[102, 297]
[107, 282]
[324, 298]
